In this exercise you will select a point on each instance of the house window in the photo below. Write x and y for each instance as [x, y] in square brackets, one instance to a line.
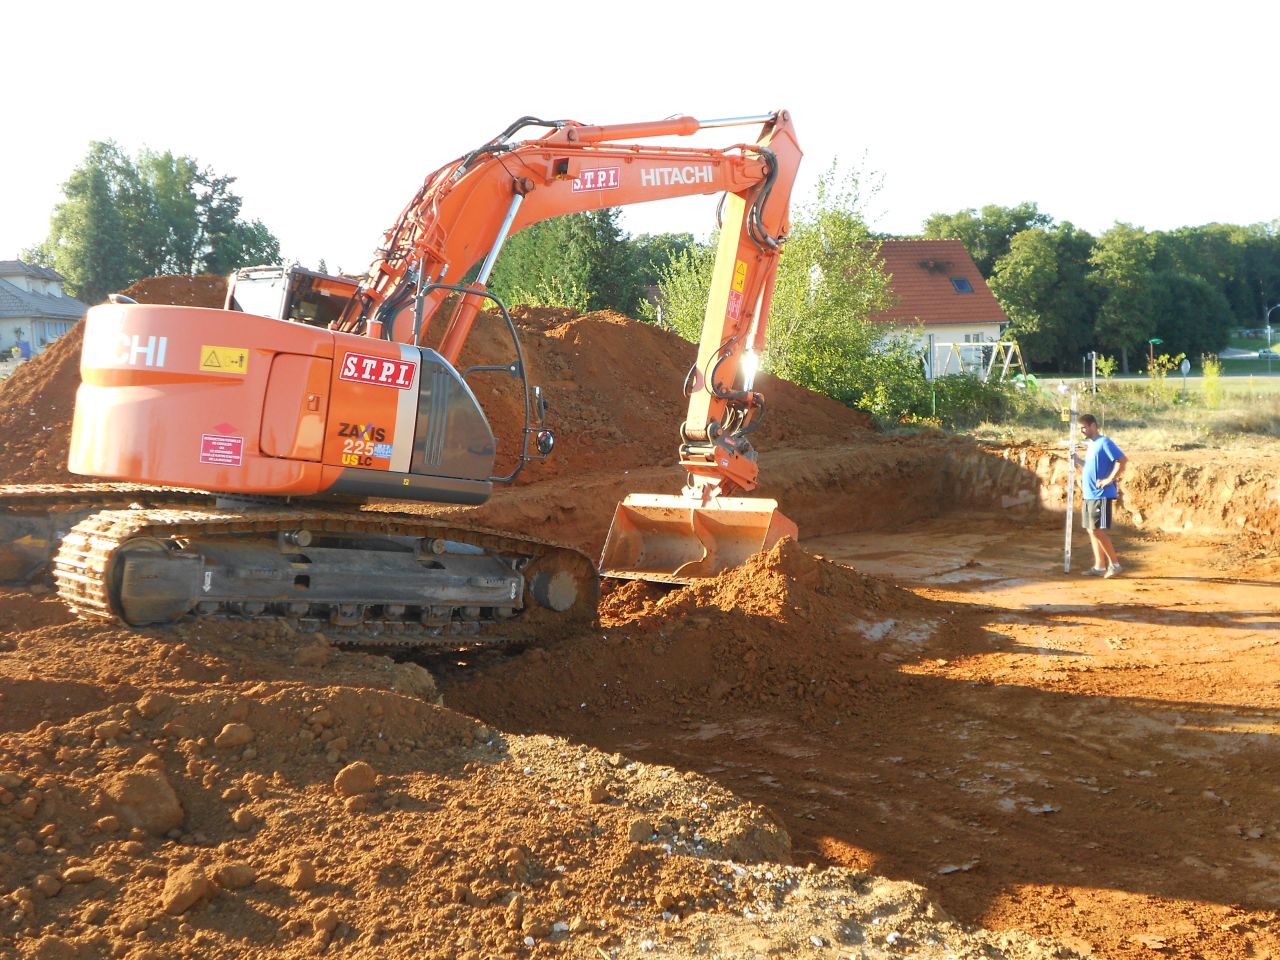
[962, 285]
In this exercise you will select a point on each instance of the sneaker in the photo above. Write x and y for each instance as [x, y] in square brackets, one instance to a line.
[1094, 572]
[1112, 571]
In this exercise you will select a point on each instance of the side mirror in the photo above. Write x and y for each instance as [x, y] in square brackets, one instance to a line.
[546, 441]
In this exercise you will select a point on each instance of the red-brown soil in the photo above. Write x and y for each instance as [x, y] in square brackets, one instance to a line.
[37, 401]
[613, 387]
[36, 404]
[206, 290]
[833, 750]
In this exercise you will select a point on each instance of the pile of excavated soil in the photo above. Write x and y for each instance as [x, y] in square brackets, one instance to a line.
[205, 290]
[614, 388]
[783, 631]
[36, 405]
[37, 401]
[229, 790]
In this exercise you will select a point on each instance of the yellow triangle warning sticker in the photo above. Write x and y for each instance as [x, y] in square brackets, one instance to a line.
[224, 359]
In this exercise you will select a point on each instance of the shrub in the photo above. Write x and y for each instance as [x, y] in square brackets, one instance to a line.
[1211, 368]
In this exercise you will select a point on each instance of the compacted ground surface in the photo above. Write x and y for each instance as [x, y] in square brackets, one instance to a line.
[909, 734]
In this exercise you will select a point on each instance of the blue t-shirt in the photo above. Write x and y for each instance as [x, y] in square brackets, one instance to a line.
[1099, 461]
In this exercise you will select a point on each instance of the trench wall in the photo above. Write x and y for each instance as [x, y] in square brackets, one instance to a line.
[1170, 492]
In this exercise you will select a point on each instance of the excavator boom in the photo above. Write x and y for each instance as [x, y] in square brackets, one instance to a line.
[573, 168]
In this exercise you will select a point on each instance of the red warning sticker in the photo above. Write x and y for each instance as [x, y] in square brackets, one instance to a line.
[227, 451]
[734, 306]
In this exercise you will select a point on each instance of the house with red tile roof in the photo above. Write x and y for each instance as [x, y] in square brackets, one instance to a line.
[943, 299]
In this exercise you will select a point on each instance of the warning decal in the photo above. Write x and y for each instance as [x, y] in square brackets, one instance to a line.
[734, 307]
[224, 359]
[227, 451]
[740, 276]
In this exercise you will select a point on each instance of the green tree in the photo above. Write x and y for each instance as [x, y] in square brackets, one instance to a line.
[121, 220]
[986, 235]
[682, 289]
[529, 259]
[1041, 285]
[1121, 262]
[244, 245]
[1241, 262]
[1215, 253]
[580, 260]
[596, 249]
[89, 232]
[583, 261]
[171, 234]
[650, 254]
[829, 283]
[1192, 316]
[1262, 270]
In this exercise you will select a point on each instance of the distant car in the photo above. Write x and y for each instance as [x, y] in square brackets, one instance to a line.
[1266, 353]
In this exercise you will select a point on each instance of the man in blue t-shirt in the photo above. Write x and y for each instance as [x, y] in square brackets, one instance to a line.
[1103, 464]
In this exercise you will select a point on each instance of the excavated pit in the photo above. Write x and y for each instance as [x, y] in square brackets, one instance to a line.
[1087, 762]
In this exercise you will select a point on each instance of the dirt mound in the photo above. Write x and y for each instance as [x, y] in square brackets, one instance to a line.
[614, 390]
[205, 290]
[36, 405]
[785, 630]
[37, 402]
[224, 788]
[331, 802]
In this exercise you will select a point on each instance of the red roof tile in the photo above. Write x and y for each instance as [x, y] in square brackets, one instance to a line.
[922, 272]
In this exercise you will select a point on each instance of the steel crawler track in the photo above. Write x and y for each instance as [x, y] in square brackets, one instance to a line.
[34, 517]
[87, 563]
[102, 496]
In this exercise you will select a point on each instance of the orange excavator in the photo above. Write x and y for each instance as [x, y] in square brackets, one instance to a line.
[266, 421]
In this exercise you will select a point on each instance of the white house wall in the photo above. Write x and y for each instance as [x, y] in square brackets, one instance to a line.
[934, 343]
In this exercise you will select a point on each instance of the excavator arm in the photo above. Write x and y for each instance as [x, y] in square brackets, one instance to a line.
[466, 210]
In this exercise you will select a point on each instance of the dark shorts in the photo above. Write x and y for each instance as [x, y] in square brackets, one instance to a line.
[1096, 514]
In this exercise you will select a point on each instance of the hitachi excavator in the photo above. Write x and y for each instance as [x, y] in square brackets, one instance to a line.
[265, 425]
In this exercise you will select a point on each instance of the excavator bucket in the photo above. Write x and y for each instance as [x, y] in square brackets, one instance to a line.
[670, 539]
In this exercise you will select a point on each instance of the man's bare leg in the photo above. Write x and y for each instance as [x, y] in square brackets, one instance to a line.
[1104, 552]
[1099, 558]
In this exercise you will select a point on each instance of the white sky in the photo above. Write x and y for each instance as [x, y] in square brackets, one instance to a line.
[329, 114]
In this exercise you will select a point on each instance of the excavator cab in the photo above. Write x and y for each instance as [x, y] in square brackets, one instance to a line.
[290, 292]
